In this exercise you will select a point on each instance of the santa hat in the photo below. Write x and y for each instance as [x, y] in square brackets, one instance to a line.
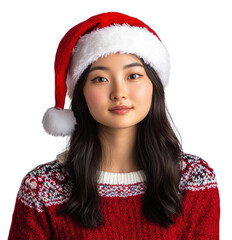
[99, 36]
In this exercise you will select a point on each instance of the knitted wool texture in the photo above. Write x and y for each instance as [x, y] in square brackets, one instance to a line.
[47, 187]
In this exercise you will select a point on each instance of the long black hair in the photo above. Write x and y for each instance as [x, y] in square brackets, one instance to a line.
[158, 152]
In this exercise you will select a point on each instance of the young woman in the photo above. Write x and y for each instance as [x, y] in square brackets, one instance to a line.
[124, 174]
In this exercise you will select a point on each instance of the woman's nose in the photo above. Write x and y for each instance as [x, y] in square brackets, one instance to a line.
[119, 89]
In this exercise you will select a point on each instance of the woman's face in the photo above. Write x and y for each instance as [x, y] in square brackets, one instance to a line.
[118, 79]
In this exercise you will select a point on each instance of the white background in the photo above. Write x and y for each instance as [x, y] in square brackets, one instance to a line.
[196, 33]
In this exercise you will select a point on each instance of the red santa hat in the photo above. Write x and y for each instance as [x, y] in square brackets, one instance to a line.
[99, 36]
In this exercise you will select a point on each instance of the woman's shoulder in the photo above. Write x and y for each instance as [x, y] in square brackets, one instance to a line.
[53, 170]
[45, 185]
[197, 174]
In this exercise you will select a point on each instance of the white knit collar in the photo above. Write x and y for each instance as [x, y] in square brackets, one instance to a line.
[121, 178]
[113, 178]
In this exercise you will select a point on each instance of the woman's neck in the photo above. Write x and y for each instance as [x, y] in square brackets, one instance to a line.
[118, 149]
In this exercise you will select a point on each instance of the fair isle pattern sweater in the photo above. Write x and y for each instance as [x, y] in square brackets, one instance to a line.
[47, 187]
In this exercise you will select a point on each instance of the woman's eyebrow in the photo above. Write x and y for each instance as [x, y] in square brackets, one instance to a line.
[99, 68]
[107, 69]
[133, 65]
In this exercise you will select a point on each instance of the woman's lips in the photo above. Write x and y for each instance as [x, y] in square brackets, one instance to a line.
[120, 111]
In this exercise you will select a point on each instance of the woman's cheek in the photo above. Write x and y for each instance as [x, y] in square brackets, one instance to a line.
[95, 97]
[143, 93]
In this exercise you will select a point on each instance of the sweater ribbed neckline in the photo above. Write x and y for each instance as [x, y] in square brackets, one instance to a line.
[121, 178]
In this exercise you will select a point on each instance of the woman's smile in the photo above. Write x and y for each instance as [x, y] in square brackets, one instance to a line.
[120, 111]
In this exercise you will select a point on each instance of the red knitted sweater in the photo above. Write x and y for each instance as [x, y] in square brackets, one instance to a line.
[47, 187]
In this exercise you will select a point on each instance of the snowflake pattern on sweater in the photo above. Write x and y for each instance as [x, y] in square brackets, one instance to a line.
[48, 186]
[51, 183]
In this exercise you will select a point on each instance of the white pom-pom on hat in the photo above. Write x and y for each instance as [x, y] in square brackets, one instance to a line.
[59, 122]
[98, 36]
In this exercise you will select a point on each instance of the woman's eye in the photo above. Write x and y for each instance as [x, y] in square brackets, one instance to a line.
[134, 76]
[99, 79]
